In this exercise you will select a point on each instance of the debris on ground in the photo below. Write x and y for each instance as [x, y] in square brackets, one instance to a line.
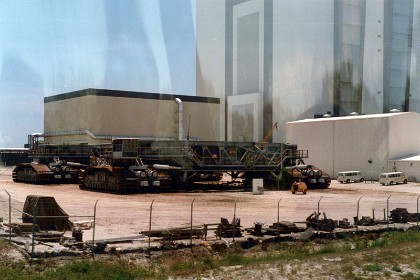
[176, 233]
[229, 229]
[46, 213]
[401, 215]
[323, 224]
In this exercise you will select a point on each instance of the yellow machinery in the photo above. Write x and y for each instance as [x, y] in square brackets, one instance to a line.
[299, 187]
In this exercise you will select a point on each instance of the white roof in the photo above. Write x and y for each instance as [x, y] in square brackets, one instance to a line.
[386, 115]
[409, 158]
[13, 149]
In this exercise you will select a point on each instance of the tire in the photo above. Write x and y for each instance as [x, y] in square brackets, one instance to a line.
[304, 192]
[341, 182]
[391, 183]
[405, 181]
[293, 192]
[348, 181]
[361, 180]
[383, 184]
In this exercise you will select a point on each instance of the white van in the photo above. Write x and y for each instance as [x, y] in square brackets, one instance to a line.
[350, 176]
[392, 178]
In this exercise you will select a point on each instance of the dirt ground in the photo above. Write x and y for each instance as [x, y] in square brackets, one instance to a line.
[127, 215]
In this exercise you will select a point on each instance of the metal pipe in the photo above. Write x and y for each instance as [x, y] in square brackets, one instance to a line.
[33, 231]
[234, 222]
[150, 225]
[10, 216]
[317, 217]
[387, 212]
[93, 230]
[278, 215]
[191, 243]
[418, 210]
[180, 118]
[357, 228]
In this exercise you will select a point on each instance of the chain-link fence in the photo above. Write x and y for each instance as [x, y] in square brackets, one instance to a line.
[41, 213]
[191, 217]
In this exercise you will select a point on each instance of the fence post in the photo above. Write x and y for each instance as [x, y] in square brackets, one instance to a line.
[418, 210]
[10, 216]
[94, 227]
[387, 213]
[234, 222]
[191, 243]
[278, 216]
[357, 216]
[33, 230]
[150, 225]
[317, 217]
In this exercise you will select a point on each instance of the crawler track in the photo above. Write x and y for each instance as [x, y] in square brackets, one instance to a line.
[32, 173]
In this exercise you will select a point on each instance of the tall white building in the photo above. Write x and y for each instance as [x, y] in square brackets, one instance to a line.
[278, 61]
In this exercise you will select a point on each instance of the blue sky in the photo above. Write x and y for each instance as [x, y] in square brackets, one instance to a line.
[52, 47]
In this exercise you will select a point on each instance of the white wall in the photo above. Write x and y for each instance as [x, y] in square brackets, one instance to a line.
[255, 101]
[415, 61]
[255, 49]
[404, 135]
[411, 168]
[358, 140]
[341, 144]
[303, 56]
[349, 143]
[317, 137]
[373, 58]
[210, 57]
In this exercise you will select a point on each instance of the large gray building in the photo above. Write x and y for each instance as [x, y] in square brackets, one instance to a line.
[96, 115]
[264, 61]
[279, 61]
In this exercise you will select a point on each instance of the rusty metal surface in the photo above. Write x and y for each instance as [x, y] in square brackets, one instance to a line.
[40, 168]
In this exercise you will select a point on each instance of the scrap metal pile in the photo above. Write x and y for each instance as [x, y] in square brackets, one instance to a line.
[401, 215]
[51, 223]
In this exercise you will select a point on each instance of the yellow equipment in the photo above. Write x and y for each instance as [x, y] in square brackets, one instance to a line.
[299, 187]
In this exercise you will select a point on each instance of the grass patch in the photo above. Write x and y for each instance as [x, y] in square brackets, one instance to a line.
[372, 267]
[380, 242]
[329, 249]
[386, 252]
[410, 276]
[403, 237]
[10, 273]
[235, 259]
[397, 269]
[87, 270]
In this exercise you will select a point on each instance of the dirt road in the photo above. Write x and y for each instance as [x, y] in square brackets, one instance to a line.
[127, 215]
